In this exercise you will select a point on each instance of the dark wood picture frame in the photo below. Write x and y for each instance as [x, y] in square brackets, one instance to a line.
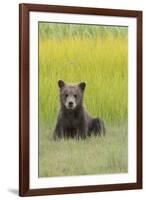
[24, 188]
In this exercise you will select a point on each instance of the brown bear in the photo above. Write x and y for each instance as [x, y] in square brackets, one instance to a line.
[73, 120]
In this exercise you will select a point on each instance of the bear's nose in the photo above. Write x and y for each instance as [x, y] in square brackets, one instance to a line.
[70, 103]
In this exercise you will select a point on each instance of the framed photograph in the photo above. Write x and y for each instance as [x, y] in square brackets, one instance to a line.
[80, 99]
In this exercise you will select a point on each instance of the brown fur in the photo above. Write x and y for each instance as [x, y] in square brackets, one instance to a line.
[73, 120]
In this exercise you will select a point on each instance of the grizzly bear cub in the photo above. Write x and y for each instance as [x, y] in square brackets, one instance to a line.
[73, 120]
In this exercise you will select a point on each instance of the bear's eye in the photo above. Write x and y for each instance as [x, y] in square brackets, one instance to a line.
[66, 95]
[75, 95]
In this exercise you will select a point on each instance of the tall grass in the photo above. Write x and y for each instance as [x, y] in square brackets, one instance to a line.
[101, 63]
[98, 56]
[59, 31]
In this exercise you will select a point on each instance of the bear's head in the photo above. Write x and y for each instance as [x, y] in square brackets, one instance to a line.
[71, 96]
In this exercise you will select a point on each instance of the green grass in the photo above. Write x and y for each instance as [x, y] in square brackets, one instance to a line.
[95, 155]
[98, 56]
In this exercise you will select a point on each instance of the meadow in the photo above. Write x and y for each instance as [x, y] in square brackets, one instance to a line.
[97, 55]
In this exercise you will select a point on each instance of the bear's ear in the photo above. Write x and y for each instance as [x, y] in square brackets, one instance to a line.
[82, 85]
[61, 83]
